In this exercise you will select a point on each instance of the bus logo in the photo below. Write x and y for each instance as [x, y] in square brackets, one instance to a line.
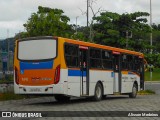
[6, 114]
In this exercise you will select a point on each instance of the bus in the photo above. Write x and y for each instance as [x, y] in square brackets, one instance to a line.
[64, 68]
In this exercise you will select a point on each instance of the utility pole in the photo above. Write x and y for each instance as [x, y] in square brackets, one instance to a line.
[151, 24]
[8, 65]
[127, 39]
[76, 24]
[87, 11]
[151, 37]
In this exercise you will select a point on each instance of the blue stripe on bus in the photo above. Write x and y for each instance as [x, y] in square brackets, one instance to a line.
[76, 73]
[130, 73]
[36, 65]
[112, 74]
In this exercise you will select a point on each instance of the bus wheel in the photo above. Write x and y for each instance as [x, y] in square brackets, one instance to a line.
[133, 94]
[62, 98]
[98, 92]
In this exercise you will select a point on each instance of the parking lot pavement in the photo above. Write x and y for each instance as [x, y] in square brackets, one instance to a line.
[155, 86]
[111, 103]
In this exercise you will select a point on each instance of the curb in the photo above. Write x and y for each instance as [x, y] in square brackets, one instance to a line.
[152, 81]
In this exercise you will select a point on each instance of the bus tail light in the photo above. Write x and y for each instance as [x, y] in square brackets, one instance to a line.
[57, 74]
[16, 76]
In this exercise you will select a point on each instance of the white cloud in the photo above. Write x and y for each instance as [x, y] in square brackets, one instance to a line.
[14, 13]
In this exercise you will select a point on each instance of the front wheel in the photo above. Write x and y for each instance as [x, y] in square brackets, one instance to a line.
[133, 94]
[98, 92]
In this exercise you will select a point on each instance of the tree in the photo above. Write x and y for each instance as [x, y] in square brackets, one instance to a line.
[48, 21]
[21, 35]
[110, 28]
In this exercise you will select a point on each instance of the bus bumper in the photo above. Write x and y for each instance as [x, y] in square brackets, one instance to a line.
[49, 89]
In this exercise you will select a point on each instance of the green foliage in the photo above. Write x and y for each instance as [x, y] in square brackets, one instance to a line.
[153, 59]
[21, 35]
[78, 36]
[11, 96]
[7, 79]
[146, 92]
[7, 96]
[48, 22]
[155, 75]
[110, 27]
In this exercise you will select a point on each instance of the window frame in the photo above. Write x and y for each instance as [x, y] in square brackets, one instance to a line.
[37, 38]
[108, 60]
[100, 58]
[66, 55]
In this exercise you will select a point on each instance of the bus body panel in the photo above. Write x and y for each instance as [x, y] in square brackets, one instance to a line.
[74, 86]
[60, 88]
[75, 82]
[128, 78]
[116, 82]
[106, 77]
[36, 77]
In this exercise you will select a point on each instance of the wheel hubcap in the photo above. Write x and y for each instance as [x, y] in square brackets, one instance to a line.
[134, 91]
[98, 92]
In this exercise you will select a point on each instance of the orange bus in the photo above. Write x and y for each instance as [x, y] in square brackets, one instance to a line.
[64, 67]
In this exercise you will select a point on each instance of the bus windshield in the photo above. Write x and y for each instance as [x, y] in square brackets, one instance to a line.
[42, 49]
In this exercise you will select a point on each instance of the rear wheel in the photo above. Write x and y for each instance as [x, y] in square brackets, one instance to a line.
[62, 98]
[133, 94]
[98, 92]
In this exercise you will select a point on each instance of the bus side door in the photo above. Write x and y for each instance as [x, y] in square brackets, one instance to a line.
[117, 72]
[84, 69]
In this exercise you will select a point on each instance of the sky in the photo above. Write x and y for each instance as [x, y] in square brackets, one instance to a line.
[14, 13]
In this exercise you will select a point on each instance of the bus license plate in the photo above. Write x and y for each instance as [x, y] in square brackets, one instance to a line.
[35, 89]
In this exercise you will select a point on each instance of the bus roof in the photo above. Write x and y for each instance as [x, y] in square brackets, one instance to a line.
[88, 44]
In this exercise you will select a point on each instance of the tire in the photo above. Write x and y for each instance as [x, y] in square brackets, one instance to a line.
[62, 98]
[98, 92]
[133, 94]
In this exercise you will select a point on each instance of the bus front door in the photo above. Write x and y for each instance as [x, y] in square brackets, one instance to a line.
[141, 71]
[117, 73]
[84, 69]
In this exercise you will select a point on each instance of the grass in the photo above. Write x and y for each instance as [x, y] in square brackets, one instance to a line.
[11, 96]
[146, 92]
[155, 75]
[5, 81]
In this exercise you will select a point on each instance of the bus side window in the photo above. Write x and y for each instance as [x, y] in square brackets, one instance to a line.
[107, 60]
[130, 62]
[95, 58]
[136, 64]
[124, 62]
[71, 55]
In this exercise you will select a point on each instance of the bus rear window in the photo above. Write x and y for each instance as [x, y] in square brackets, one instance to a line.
[42, 49]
